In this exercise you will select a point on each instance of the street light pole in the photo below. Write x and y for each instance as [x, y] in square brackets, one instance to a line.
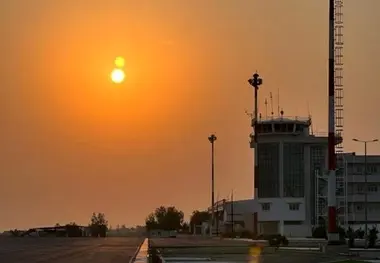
[212, 139]
[256, 82]
[365, 187]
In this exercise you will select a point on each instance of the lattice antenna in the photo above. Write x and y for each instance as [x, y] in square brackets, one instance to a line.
[338, 67]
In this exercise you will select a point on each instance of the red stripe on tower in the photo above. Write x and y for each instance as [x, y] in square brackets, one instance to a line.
[332, 229]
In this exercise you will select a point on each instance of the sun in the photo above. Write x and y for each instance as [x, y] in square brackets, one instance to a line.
[117, 75]
[119, 62]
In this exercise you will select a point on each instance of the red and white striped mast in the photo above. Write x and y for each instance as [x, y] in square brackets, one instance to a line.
[333, 236]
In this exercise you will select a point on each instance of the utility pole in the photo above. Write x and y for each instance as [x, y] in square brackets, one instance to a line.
[365, 187]
[212, 139]
[232, 213]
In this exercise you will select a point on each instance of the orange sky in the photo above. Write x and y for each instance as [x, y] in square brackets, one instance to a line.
[73, 143]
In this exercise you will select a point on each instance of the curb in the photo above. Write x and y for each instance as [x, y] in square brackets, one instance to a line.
[133, 258]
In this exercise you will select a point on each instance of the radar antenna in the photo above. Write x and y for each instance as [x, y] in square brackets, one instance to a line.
[278, 102]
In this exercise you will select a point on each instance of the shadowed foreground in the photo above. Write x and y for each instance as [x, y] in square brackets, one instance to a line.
[73, 250]
[223, 250]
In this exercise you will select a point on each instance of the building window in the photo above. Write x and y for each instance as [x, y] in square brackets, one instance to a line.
[265, 206]
[371, 169]
[372, 188]
[294, 206]
[267, 181]
[294, 170]
[359, 208]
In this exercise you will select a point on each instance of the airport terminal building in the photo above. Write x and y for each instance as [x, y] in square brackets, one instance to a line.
[291, 183]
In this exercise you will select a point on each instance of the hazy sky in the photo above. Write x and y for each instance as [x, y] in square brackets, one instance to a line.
[72, 143]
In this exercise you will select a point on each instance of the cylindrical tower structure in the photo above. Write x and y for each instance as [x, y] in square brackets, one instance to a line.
[332, 228]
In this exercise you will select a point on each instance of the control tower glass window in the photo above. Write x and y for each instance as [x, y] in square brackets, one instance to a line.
[294, 180]
[268, 158]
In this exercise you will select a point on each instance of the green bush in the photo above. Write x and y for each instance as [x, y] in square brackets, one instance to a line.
[372, 237]
[320, 232]
[351, 237]
[246, 234]
[275, 240]
[359, 233]
[228, 235]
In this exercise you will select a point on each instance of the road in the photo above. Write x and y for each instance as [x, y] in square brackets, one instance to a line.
[65, 250]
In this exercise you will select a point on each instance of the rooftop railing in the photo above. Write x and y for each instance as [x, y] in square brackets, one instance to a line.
[284, 118]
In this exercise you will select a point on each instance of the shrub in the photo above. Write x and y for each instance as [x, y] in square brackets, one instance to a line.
[275, 240]
[351, 237]
[227, 235]
[320, 232]
[342, 233]
[360, 233]
[246, 234]
[372, 237]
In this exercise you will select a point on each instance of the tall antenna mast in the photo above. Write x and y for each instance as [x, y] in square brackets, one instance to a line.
[278, 102]
[335, 112]
[266, 108]
[271, 103]
[338, 96]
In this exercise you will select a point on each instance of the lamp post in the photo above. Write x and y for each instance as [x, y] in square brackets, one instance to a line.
[365, 186]
[212, 139]
[255, 82]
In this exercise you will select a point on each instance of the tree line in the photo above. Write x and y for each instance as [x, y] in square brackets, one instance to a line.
[171, 218]
[97, 227]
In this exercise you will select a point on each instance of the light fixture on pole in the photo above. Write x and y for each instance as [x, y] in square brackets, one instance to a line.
[256, 81]
[212, 139]
[365, 186]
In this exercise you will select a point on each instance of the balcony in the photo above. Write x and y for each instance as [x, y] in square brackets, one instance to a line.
[360, 178]
[359, 197]
[359, 216]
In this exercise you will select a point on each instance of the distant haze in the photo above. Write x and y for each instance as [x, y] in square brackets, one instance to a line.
[71, 142]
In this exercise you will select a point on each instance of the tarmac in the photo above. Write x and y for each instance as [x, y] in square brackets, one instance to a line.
[68, 250]
[183, 248]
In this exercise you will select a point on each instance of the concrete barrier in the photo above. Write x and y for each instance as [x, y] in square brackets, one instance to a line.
[141, 254]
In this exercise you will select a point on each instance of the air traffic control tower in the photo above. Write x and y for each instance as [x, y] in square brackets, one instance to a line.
[291, 160]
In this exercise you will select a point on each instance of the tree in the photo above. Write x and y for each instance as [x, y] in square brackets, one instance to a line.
[185, 227]
[73, 230]
[164, 218]
[151, 222]
[198, 217]
[98, 225]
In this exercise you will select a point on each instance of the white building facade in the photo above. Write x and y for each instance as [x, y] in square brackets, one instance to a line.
[291, 190]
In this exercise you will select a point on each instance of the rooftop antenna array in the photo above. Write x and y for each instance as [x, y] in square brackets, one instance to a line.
[309, 115]
[278, 102]
[271, 103]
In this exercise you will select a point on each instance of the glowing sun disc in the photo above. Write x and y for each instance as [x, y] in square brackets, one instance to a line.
[119, 62]
[117, 75]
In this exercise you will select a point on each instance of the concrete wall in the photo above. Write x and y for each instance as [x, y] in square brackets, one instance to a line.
[303, 230]
[280, 210]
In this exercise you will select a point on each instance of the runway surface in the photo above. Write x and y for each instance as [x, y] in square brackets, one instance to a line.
[65, 250]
